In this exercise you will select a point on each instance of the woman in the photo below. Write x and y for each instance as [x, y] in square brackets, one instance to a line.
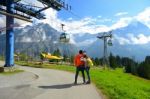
[88, 64]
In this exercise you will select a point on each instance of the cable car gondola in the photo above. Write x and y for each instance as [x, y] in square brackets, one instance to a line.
[64, 38]
[110, 42]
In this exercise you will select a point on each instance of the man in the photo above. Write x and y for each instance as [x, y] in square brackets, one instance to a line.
[79, 63]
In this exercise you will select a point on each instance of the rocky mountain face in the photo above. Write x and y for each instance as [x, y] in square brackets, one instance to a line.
[37, 38]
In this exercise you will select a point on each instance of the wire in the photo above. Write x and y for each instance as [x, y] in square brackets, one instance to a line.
[72, 12]
[66, 9]
[75, 14]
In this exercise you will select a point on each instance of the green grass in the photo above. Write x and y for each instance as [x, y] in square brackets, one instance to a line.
[12, 72]
[115, 84]
[118, 85]
[1, 58]
[51, 66]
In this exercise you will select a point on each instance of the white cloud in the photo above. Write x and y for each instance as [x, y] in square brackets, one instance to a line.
[32, 2]
[122, 22]
[52, 19]
[87, 42]
[122, 40]
[92, 25]
[144, 17]
[2, 21]
[72, 39]
[87, 24]
[25, 39]
[21, 22]
[133, 40]
[121, 13]
[140, 39]
[71, 25]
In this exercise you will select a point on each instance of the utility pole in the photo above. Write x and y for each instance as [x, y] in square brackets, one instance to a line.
[104, 36]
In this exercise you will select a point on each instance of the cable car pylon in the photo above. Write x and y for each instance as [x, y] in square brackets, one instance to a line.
[104, 36]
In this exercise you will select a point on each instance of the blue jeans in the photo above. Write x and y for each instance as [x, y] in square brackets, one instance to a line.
[80, 68]
[88, 74]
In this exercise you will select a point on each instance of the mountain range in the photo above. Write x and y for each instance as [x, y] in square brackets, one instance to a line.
[132, 40]
[34, 39]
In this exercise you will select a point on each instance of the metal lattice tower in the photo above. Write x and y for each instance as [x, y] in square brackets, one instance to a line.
[104, 36]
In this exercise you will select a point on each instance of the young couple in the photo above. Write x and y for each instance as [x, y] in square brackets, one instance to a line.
[82, 62]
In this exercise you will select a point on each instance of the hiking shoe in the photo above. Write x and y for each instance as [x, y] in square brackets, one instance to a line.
[75, 83]
[84, 83]
[88, 82]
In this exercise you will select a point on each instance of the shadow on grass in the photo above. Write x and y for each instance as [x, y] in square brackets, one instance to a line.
[60, 86]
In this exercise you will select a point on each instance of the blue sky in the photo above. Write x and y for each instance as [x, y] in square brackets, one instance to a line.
[94, 16]
[104, 8]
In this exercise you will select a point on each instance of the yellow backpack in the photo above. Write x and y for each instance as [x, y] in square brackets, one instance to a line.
[89, 61]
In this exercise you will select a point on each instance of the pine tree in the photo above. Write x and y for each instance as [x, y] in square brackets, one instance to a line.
[57, 52]
[112, 61]
[144, 68]
[96, 61]
[72, 59]
[118, 60]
